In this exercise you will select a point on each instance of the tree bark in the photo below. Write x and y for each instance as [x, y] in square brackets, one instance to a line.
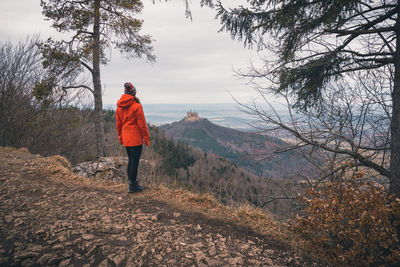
[98, 102]
[395, 123]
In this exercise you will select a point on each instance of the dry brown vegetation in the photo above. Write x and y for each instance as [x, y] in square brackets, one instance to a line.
[352, 222]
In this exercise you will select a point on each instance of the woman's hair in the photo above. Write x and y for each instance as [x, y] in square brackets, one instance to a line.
[134, 96]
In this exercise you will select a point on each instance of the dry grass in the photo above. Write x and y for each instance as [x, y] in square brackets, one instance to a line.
[245, 215]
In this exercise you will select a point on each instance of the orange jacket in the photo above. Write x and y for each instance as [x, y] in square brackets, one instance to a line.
[130, 122]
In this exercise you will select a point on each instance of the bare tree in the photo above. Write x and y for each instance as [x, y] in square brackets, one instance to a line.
[19, 68]
[45, 122]
[350, 129]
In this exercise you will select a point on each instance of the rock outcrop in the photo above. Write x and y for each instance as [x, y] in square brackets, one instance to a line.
[112, 169]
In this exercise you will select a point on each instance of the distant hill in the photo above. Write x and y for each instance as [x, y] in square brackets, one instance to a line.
[251, 151]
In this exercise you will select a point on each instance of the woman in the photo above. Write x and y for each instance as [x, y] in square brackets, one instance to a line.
[132, 131]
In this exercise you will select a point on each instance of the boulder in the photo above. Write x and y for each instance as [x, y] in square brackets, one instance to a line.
[111, 168]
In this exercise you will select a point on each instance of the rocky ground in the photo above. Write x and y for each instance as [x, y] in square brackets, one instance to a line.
[50, 218]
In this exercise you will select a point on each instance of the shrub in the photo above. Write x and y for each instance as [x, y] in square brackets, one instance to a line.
[351, 222]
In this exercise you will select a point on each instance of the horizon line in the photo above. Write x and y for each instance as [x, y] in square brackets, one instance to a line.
[216, 103]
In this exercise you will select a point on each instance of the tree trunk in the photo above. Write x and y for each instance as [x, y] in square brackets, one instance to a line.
[395, 124]
[98, 102]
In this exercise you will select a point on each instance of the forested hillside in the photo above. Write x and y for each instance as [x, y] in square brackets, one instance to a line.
[258, 153]
[178, 165]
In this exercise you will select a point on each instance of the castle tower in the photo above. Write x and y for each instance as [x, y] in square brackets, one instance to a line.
[192, 116]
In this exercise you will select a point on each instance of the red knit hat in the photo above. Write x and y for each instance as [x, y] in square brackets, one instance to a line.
[129, 88]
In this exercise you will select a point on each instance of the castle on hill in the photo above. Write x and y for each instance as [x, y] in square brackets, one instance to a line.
[192, 116]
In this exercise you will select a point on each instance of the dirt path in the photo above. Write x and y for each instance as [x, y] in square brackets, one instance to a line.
[49, 221]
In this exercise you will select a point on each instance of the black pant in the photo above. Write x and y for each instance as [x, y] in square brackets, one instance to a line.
[134, 153]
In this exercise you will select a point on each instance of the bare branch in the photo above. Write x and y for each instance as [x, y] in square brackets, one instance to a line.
[77, 87]
[360, 32]
[86, 66]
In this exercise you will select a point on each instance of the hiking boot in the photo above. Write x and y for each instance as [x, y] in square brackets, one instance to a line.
[135, 188]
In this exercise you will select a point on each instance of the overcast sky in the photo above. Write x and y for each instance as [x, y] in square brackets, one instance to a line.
[194, 62]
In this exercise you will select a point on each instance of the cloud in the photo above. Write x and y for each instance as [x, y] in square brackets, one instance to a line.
[194, 61]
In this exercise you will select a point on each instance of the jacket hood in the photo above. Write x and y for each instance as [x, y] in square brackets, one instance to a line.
[125, 101]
